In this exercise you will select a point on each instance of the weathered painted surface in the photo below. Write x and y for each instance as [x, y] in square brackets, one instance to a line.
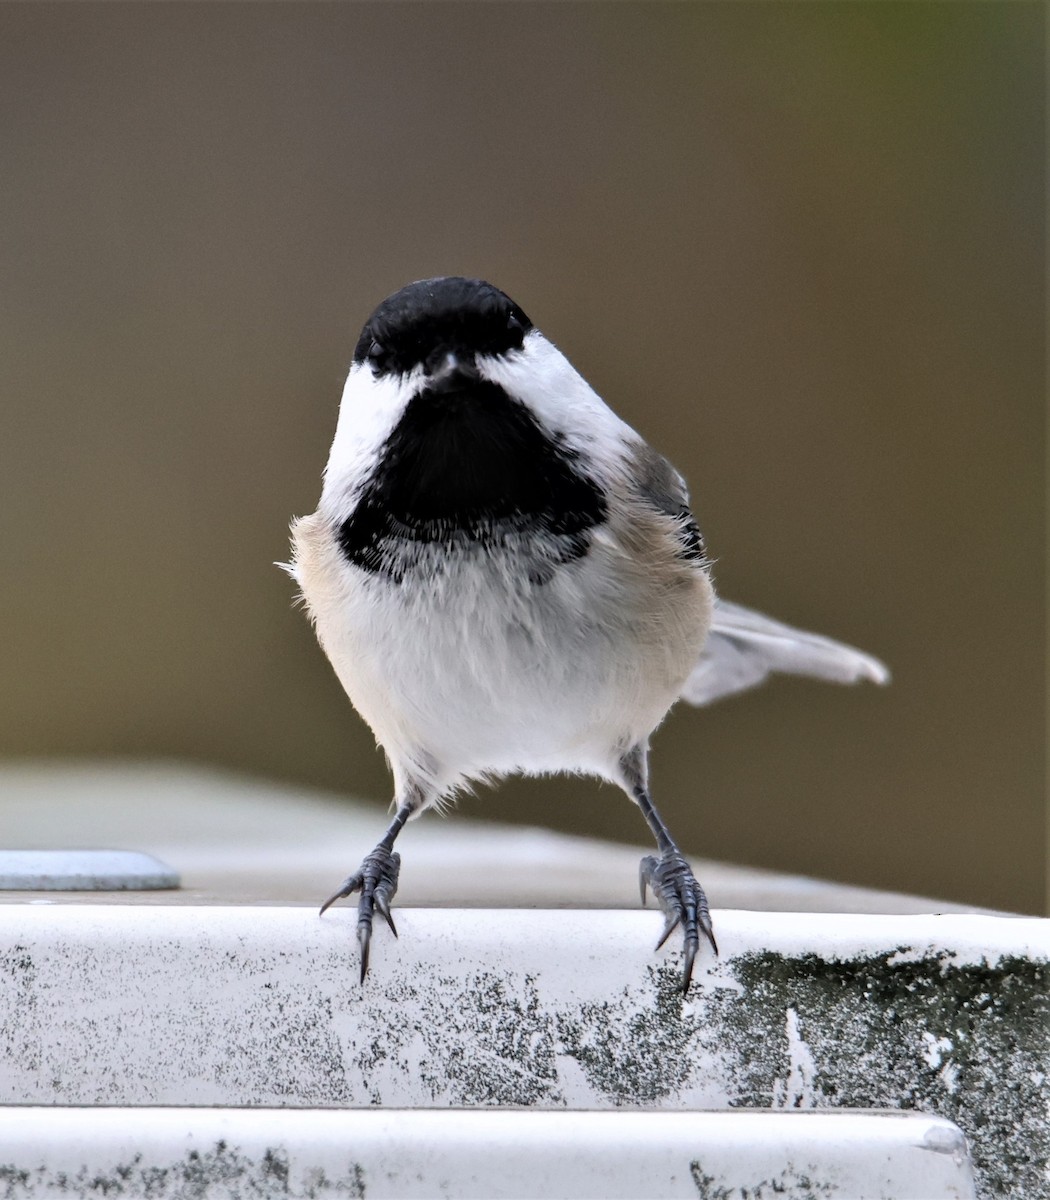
[261, 1006]
[175, 1154]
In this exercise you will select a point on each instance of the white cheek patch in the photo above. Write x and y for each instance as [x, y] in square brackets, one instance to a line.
[562, 401]
[368, 413]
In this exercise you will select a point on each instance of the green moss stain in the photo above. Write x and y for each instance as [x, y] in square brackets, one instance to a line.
[969, 1042]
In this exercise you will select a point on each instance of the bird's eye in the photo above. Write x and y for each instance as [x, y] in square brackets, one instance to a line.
[375, 352]
[513, 324]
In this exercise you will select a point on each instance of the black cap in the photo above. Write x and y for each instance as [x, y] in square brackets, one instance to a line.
[429, 319]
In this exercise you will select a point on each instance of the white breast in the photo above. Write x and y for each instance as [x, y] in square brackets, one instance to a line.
[479, 672]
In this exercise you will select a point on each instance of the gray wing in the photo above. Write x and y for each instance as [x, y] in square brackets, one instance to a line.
[744, 648]
[660, 485]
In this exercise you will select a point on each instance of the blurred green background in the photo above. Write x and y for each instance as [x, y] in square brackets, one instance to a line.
[799, 246]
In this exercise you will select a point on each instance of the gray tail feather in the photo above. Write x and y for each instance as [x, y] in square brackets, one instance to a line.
[744, 648]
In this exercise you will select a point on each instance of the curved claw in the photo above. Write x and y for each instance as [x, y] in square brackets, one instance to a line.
[687, 967]
[645, 871]
[376, 880]
[706, 930]
[350, 885]
[672, 924]
[382, 904]
[364, 940]
[684, 904]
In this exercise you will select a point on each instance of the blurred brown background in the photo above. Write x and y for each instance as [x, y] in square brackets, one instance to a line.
[799, 246]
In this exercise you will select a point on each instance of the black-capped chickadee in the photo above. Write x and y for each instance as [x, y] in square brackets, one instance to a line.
[508, 579]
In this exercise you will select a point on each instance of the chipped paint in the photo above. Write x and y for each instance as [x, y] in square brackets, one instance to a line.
[797, 1090]
[537, 1009]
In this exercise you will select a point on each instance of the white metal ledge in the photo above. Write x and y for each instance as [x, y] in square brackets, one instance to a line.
[557, 1010]
[171, 1154]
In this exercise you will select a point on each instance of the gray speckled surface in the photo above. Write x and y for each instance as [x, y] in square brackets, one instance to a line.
[550, 1009]
[399, 1154]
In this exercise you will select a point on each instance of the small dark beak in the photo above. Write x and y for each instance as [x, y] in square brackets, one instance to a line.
[452, 372]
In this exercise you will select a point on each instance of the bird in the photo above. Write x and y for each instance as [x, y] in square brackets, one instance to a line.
[507, 579]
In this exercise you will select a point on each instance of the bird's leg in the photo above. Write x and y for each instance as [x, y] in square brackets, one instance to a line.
[376, 878]
[669, 875]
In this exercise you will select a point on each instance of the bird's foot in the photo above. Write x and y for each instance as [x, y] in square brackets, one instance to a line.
[376, 880]
[683, 901]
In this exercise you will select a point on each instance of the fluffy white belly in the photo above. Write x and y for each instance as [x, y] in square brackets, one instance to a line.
[479, 671]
